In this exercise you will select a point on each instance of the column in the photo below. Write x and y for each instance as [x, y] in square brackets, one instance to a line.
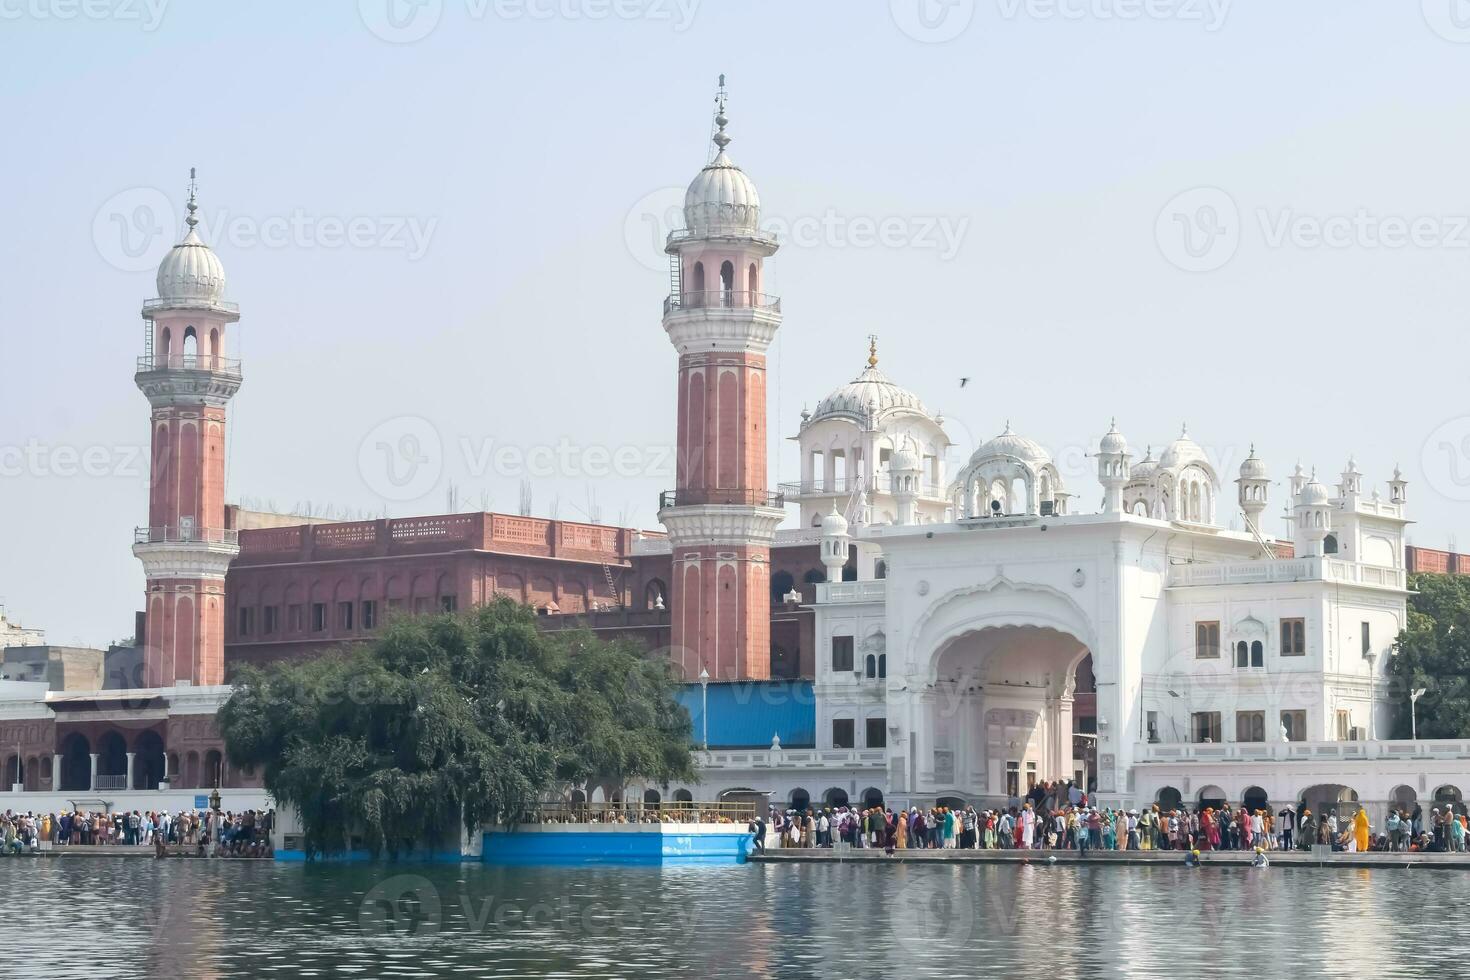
[165, 766]
[92, 786]
[55, 771]
[130, 769]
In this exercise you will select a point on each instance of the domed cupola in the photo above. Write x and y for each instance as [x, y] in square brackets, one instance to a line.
[1186, 481]
[722, 199]
[868, 399]
[191, 275]
[1010, 475]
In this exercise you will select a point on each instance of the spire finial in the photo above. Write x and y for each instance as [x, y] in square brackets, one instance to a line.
[872, 350]
[720, 139]
[193, 204]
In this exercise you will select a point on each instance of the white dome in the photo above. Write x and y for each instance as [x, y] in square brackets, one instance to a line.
[1183, 451]
[191, 272]
[867, 398]
[1253, 468]
[834, 523]
[722, 200]
[903, 459]
[1010, 444]
[1314, 494]
[1113, 441]
[1145, 468]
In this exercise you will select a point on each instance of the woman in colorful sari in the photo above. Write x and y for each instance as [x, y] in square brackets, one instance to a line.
[1360, 830]
[903, 831]
[1212, 831]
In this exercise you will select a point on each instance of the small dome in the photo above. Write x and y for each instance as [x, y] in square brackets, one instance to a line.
[1010, 444]
[1113, 441]
[1314, 494]
[903, 459]
[834, 523]
[1183, 451]
[722, 200]
[1144, 468]
[191, 273]
[1253, 467]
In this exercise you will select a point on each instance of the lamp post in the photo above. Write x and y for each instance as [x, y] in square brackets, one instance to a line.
[1414, 697]
[704, 704]
[1372, 659]
[214, 822]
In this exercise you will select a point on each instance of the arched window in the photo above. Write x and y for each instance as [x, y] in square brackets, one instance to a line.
[871, 666]
[1329, 545]
[655, 595]
[191, 342]
[1242, 654]
[1258, 654]
[683, 796]
[814, 576]
[880, 570]
[727, 284]
[699, 281]
[214, 350]
[781, 583]
[882, 665]
[752, 279]
[165, 341]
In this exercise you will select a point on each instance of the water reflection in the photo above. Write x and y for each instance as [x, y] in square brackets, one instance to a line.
[120, 917]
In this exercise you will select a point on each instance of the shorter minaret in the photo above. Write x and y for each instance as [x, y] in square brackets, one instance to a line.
[1112, 468]
[835, 544]
[1311, 518]
[1252, 490]
[1398, 488]
[1352, 482]
[905, 471]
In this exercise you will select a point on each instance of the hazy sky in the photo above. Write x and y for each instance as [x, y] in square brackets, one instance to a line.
[439, 220]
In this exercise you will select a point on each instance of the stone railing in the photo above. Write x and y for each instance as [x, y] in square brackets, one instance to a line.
[1311, 569]
[780, 757]
[873, 591]
[1207, 752]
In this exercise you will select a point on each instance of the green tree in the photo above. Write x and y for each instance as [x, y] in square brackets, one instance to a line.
[1434, 653]
[452, 718]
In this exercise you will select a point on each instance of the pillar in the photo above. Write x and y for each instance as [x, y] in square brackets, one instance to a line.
[55, 771]
[130, 769]
[92, 785]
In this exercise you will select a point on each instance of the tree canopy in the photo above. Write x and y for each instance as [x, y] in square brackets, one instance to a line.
[452, 718]
[1434, 653]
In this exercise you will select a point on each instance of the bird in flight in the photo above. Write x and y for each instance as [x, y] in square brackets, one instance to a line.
[964, 381]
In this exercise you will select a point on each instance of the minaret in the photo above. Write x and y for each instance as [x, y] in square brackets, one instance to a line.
[1398, 487]
[835, 544]
[1112, 468]
[1252, 490]
[905, 471]
[721, 516]
[185, 549]
[1312, 519]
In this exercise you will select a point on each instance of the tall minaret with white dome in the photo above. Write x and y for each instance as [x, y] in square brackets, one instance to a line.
[721, 516]
[185, 548]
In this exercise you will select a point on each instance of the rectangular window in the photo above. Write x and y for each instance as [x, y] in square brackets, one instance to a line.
[1207, 641]
[844, 733]
[448, 603]
[1367, 642]
[247, 621]
[1294, 724]
[294, 617]
[318, 617]
[877, 733]
[1293, 637]
[1250, 726]
[1344, 725]
[1030, 776]
[1013, 779]
[270, 619]
[841, 654]
[1205, 726]
[421, 605]
[1153, 726]
[344, 616]
[369, 614]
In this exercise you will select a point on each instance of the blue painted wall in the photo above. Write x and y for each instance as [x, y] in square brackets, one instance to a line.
[745, 714]
[614, 847]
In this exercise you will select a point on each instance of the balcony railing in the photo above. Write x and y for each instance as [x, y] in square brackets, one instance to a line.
[700, 496]
[844, 486]
[1307, 569]
[716, 299]
[164, 303]
[872, 591]
[213, 363]
[768, 758]
[1401, 749]
[186, 535]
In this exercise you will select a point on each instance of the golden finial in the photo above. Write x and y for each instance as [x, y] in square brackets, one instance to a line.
[872, 350]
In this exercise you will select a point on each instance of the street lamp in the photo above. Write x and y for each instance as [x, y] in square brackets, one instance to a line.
[1414, 697]
[704, 704]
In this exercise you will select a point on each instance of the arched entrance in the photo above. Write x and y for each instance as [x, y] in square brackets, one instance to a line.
[112, 762]
[1169, 798]
[1450, 796]
[836, 796]
[76, 763]
[872, 797]
[1334, 798]
[1213, 797]
[800, 799]
[1255, 799]
[1002, 662]
[148, 761]
[1403, 798]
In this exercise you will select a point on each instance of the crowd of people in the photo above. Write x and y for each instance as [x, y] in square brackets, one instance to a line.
[213, 832]
[1060, 816]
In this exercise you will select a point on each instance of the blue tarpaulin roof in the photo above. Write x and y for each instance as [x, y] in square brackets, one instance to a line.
[745, 714]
